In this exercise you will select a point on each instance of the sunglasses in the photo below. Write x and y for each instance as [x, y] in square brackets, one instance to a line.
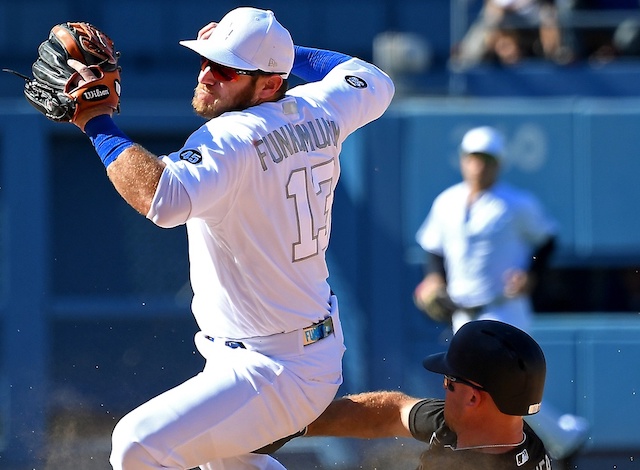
[449, 381]
[222, 73]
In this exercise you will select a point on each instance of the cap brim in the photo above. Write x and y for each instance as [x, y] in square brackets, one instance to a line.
[437, 363]
[212, 51]
[488, 153]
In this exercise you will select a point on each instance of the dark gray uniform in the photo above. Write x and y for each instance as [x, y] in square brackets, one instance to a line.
[426, 422]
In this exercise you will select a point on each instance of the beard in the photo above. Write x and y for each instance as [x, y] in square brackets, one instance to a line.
[210, 109]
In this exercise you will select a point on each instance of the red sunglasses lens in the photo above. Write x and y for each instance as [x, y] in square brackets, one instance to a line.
[219, 72]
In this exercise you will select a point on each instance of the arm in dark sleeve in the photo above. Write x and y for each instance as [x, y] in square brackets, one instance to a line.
[425, 418]
[435, 264]
[540, 259]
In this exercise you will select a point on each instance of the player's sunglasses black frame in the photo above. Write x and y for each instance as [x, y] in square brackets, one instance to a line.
[222, 73]
[450, 380]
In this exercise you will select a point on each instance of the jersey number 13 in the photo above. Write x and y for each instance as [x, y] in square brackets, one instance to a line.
[312, 193]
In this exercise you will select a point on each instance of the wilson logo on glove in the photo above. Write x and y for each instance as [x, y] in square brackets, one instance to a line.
[97, 93]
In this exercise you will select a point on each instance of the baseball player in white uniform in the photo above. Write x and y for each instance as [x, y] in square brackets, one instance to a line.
[254, 186]
[487, 243]
[486, 240]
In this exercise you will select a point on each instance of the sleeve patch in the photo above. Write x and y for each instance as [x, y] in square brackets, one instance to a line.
[191, 156]
[355, 82]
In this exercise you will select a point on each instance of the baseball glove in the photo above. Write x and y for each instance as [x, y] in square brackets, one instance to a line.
[57, 89]
[439, 306]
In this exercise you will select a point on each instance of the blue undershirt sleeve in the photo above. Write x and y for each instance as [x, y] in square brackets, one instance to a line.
[108, 140]
[313, 65]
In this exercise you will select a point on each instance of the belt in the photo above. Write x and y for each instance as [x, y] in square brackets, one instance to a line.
[310, 334]
[317, 331]
[231, 344]
[478, 309]
[472, 310]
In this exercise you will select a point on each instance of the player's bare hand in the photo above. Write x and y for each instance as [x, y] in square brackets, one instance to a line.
[206, 31]
[86, 75]
[428, 288]
[517, 282]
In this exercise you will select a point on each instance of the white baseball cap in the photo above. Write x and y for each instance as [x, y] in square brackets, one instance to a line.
[483, 139]
[248, 39]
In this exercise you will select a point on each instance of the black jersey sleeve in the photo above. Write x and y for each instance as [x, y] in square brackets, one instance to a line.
[425, 418]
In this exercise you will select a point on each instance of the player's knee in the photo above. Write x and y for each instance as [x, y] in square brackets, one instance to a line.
[132, 456]
[128, 453]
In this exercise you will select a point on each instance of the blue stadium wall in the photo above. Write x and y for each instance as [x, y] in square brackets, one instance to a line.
[93, 293]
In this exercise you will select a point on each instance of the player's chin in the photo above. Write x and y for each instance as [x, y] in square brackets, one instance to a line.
[204, 104]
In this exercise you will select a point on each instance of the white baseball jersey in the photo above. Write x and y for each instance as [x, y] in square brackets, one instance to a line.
[255, 189]
[482, 242]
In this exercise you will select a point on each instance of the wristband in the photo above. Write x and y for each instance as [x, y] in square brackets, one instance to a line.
[108, 140]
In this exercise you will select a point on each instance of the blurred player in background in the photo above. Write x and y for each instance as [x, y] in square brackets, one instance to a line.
[487, 242]
[254, 187]
[487, 245]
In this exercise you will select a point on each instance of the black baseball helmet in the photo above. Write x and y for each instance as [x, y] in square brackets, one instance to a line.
[502, 359]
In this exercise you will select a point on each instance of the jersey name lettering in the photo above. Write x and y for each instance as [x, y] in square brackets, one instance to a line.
[291, 139]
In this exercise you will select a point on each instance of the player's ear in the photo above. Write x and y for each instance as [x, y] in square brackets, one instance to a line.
[475, 398]
[269, 86]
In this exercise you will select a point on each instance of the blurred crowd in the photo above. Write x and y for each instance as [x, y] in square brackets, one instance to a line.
[563, 31]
